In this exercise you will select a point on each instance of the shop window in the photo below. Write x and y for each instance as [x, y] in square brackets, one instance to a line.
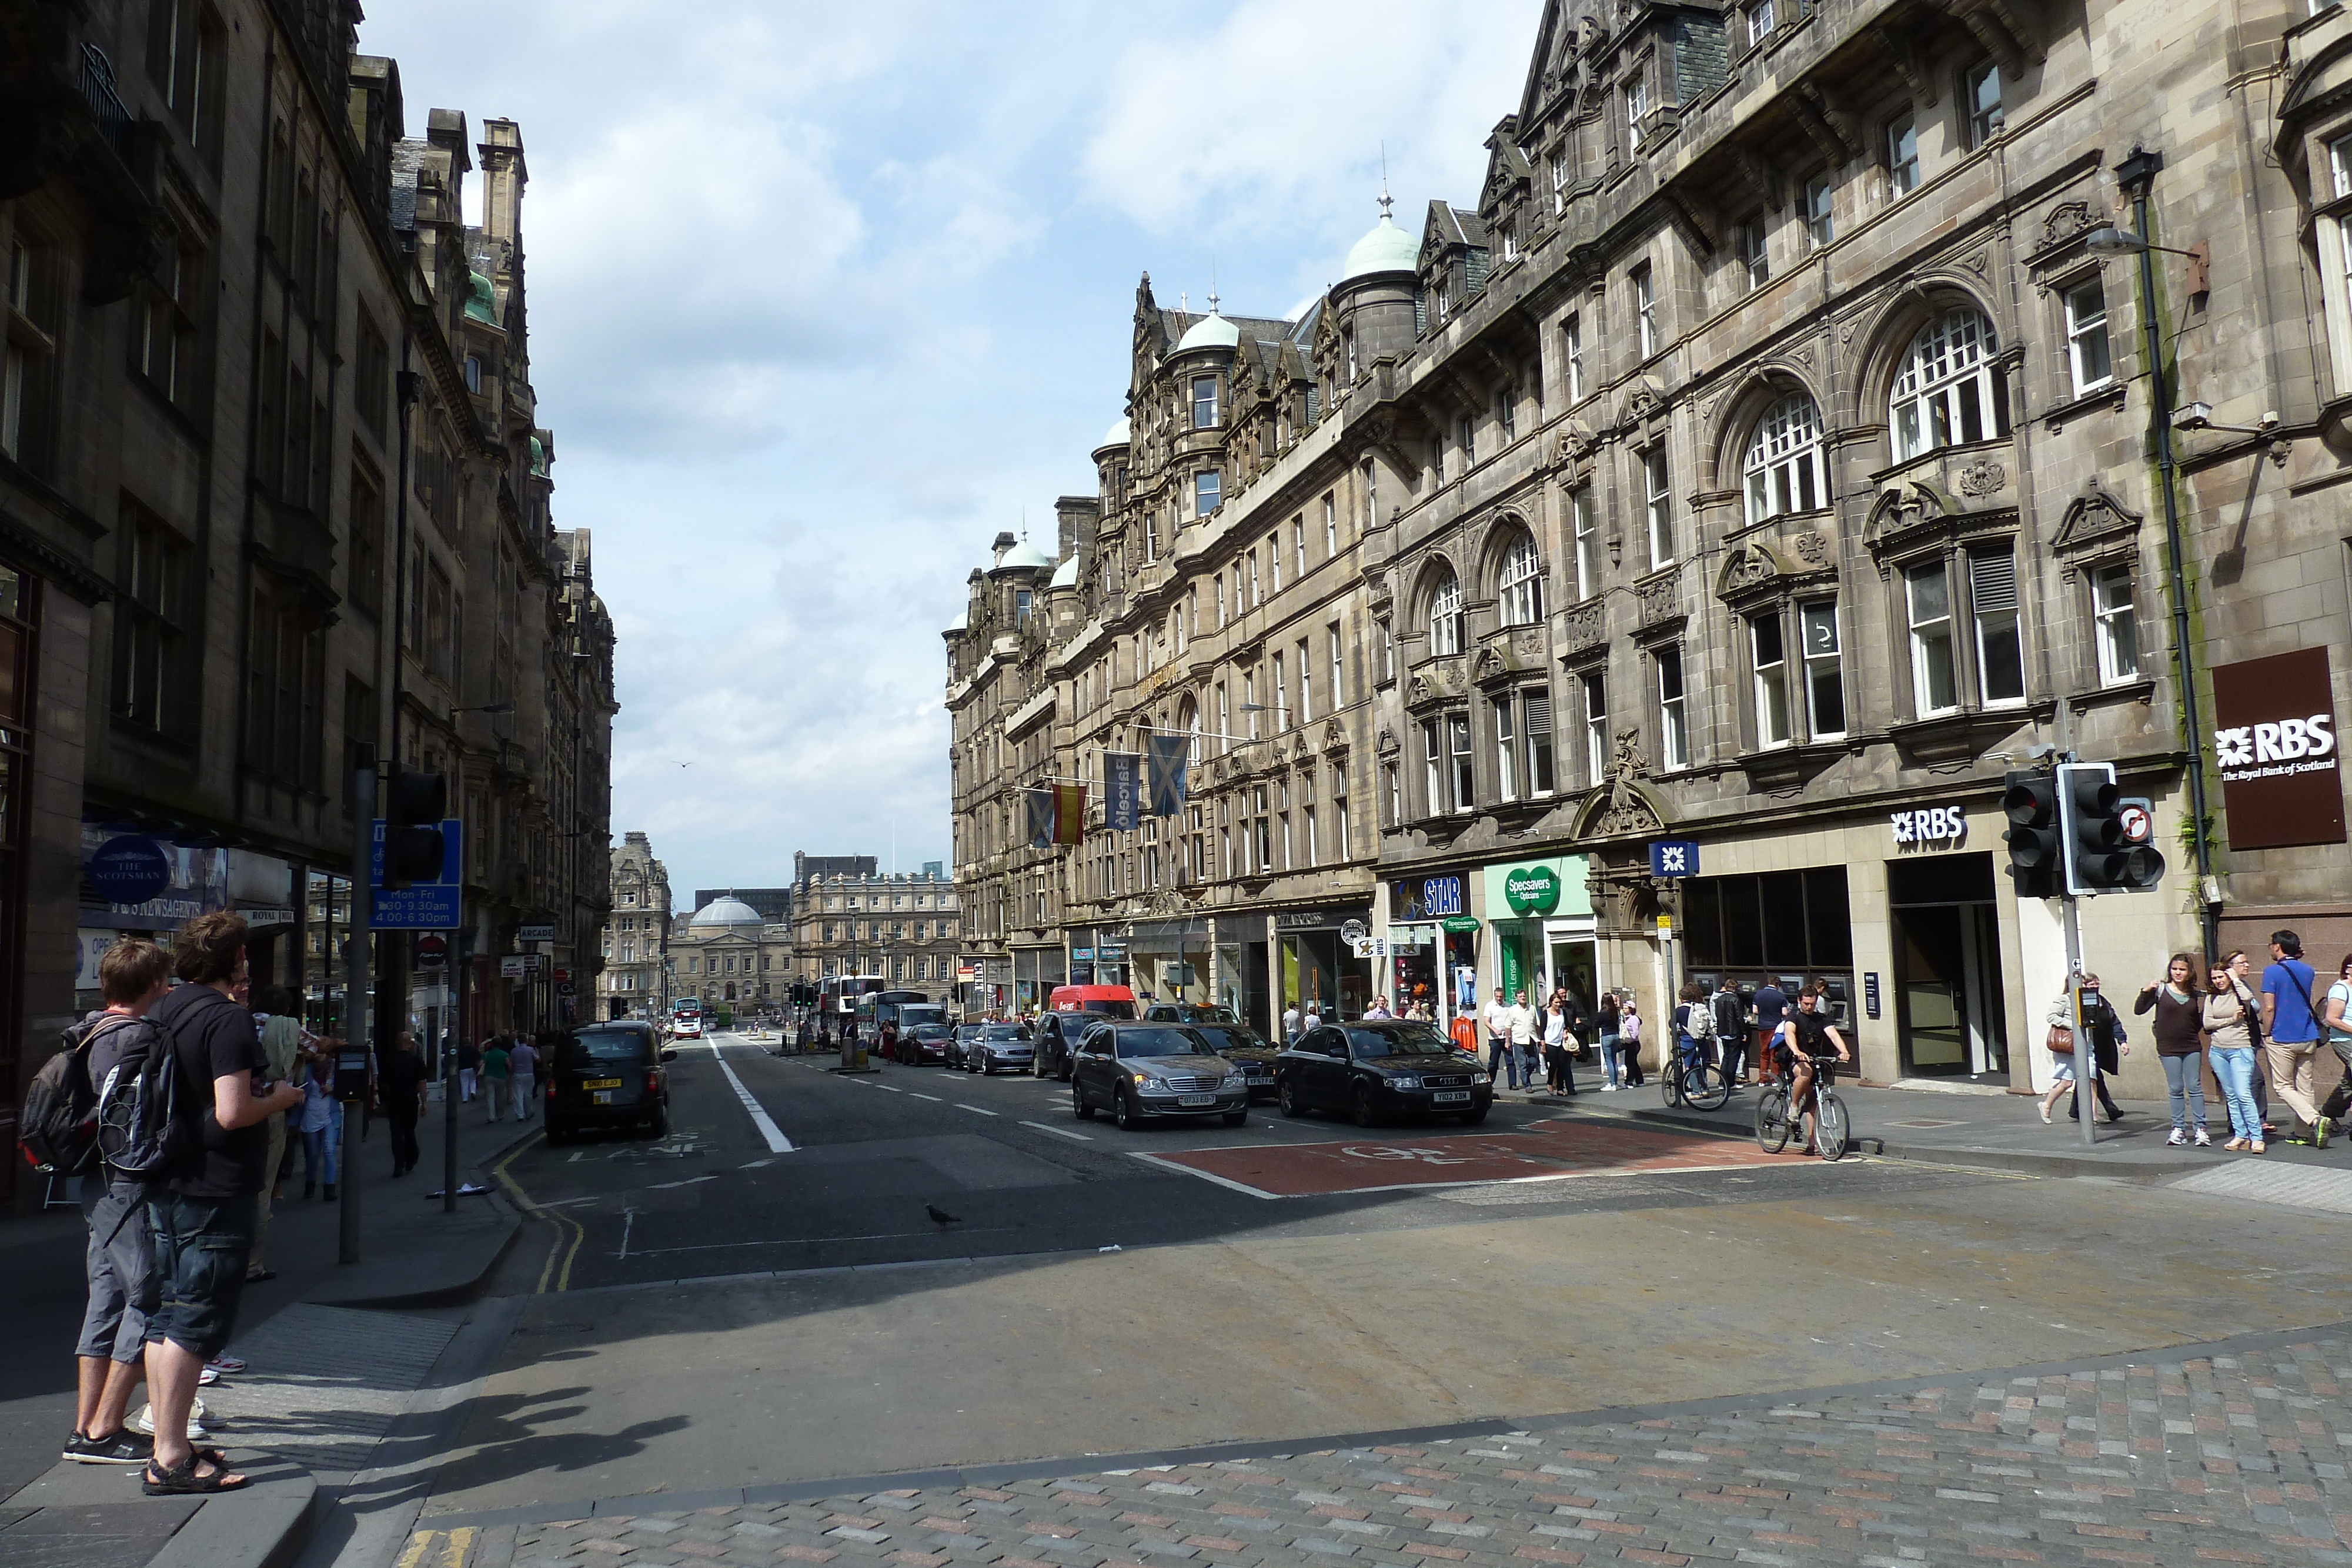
[1825, 670]
[1768, 666]
[1521, 583]
[1584, 531]
[1785, 468]
[1445, 615]
[1674, 717]
[2113, 607]
[1949, 392]
[1790, 921]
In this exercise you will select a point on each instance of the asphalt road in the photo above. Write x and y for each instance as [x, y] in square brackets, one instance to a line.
[1024, 1175]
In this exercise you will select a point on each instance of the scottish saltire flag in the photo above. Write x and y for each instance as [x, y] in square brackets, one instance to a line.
[1122, 791]
[1038, 805]
[1164, 758]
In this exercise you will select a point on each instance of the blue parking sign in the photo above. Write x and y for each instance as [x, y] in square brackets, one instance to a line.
[1674, 857]
[435, 906]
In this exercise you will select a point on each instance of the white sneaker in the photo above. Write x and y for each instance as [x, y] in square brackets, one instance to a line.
[2179, 1140]
[2204, 1140]
[145, 1421]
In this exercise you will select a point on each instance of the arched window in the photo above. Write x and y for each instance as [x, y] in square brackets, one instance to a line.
[1521, 583]
[1949, 392]
[1445, 615]
[1786, 471]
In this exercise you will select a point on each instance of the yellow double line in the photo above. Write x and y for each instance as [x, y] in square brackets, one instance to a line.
[569, 1234]
[438, 1549]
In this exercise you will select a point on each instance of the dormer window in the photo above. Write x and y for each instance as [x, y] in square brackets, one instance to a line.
[1510, 242]
[1021, 602]
[1559, 181]
[1637, 109]
[1442, 298]
[1759, 22]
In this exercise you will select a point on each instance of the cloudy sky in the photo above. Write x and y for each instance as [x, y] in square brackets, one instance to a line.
[823, 295]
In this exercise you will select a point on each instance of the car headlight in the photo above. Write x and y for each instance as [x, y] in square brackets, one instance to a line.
[1404, 1080]
[1236, 1081]
[1148, 1080]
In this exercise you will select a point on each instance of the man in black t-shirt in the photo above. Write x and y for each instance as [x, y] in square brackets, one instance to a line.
[202, 1215]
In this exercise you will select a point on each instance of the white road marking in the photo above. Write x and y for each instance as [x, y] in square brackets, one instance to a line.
[933, 1098]
[754, 1165]
[1059, 1132]
[777, 1142]
[892, 1087]
[629, 1219]
[665, 1186]
[974, 1109]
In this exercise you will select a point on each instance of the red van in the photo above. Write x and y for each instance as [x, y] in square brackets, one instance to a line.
[1108, 1002]
[1071, 1009]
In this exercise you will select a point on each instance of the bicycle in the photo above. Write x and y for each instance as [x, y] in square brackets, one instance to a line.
[1693, 1080]
[1831, 1128]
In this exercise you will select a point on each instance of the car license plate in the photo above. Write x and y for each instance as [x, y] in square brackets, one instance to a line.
[1196, 1099]
[1451, 1096]
[604, 1096]
[601, 1084]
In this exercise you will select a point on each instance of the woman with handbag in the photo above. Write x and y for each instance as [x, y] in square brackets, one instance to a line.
[2107, 1033]
[2060, 1044]
[2229, 1020]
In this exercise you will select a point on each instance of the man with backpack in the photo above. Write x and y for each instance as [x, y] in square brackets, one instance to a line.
[133, 976]
[202, 1215]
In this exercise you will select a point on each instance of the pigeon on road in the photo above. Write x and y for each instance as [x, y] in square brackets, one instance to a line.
[941, 1216]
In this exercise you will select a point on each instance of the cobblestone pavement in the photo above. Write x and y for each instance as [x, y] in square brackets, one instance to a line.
[2230, 1460]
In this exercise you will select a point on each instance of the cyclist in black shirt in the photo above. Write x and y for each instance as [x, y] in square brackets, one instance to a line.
[1805, 1035]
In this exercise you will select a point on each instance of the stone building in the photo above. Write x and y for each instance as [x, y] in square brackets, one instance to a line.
[1770, 457]
[730, 957]
[271, 483]
[636, 978]
[904, 927]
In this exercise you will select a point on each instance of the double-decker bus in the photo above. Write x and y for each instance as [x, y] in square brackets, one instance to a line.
[837, 995]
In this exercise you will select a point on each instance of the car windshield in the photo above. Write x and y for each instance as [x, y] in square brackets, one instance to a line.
[930, 1031]
[1396, 1040]
[1005, 1031]
[1161, 1043]
[603, 1046]
[1232, 1037]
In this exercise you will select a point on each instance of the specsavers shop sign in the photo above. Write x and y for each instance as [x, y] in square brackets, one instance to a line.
[2275, 747]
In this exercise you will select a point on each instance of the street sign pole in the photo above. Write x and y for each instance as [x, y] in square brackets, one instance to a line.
[356, 1010]
[464, 959]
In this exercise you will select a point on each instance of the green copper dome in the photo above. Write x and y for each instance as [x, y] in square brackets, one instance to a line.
[1211, 331]
[537, 456]
[1387, 248]
[481, 301]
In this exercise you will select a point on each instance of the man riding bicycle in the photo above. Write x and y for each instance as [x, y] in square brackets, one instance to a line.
[1802, 1037]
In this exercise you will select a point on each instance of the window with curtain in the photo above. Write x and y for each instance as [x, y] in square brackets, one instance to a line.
[1949, 392]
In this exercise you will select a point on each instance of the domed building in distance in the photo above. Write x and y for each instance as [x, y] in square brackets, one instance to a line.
[730, 957]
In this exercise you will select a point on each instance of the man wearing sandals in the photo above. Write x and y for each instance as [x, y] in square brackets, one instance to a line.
[202, 1218]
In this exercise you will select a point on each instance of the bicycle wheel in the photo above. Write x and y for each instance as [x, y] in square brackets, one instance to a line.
[1670, 1082]
[1772, 1118]
[1707, 1089]
[1831, 1128]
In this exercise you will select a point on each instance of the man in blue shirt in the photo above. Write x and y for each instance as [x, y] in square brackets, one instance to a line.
[2290, 1036]
[1770, 1005]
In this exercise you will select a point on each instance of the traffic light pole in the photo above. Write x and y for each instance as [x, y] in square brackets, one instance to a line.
[463, 960]
[356, 1012]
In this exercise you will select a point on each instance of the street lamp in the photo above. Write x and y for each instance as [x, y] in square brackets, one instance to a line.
[2136, 176]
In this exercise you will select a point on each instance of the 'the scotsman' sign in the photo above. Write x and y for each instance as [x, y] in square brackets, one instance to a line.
[2275, 744]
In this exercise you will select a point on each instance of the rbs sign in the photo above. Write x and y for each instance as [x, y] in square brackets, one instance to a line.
[2275, 744]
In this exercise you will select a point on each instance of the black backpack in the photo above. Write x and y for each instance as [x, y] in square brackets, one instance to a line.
[142, 1130]
[59, 1127]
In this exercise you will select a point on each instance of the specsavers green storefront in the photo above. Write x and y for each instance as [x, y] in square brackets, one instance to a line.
[1541, 930]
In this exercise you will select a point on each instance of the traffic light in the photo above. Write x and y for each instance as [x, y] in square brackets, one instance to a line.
[2030, 799]
[2103, 851]
[415, 804]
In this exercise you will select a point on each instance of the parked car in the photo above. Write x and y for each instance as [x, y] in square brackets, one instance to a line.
[1139, 1071]
[1000, 1045]
[1374, 1071]
[1056, 1042]
[924, 1044]
[608, 1075]
[960, 1042]
[1245, 1048]
[1188, 1012]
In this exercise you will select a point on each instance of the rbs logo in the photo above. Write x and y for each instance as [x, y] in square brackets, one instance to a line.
[2289, 740]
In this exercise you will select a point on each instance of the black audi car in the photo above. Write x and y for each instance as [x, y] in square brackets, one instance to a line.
[1245, 1048]
[1378, 1070]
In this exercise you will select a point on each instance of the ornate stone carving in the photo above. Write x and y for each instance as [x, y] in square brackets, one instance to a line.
[1387, 744]
[1335, 737]
[1577, 440]
[2094, 517]
[1812, 549]
[1658, 596]
[1583, 627]
[1528, 641]
[1641, 404]
[1746, 568]
[2066, 220]
[1976, 262]
[1981, 478]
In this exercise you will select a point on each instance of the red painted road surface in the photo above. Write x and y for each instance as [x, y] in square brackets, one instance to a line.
[1545, 1151]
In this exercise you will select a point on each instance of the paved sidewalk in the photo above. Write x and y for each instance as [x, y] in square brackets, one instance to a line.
[2233, 1457]
[324, 1380]
[1959, 1127]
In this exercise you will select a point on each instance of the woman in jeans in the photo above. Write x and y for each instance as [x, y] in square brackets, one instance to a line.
[2228, 1020]
[1605, 1021]
[1629, 1038]
[2180, 1043]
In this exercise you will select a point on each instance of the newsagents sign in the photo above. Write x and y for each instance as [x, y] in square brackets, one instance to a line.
[2275, 746]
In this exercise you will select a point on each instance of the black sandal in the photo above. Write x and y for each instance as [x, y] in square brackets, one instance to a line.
[181, 1481]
